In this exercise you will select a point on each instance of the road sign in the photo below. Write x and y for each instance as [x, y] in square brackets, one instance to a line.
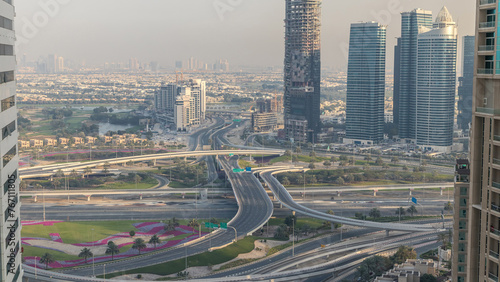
[223, 225]
[414, 200]
[249, 169]
[207, 224]
[238, 170]
[231, 154]
[237, 120]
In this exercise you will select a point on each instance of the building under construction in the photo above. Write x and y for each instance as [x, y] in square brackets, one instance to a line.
[302, 69]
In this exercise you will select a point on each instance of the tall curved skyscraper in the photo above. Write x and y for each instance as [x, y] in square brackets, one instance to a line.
[436, 83]
[302, 69]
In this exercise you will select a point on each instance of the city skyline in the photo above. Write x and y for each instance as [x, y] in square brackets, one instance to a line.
[228, 28]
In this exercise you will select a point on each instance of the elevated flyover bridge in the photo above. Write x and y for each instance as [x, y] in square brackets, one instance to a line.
[49, 170]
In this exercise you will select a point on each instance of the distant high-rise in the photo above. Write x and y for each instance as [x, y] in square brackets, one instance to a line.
[366, 84]
[165, 98]
[397, 82]
[10, 228]
[465, 87]
[185, 101]
[302, 69]
[436, 83]
[411, 25]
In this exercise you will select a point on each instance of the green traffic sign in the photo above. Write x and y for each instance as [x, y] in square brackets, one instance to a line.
[231, 154]
[237, 120]
[207, 224]
[223, 225]
[238, 170]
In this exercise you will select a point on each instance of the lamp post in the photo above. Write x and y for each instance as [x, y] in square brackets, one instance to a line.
[293, 232]
[235, 233]
[36, 276]
[93, 256]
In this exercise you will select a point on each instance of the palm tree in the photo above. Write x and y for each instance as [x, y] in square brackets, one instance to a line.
[193, 224]
[73, 174]
[404, 253]
[112, 249]
[85, 253]
[412, 210]
[47, 259]
[87, 171]
[139, 244]
[154, 240]
[400, 211]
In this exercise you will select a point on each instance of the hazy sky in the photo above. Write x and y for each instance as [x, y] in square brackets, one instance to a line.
[247, 32]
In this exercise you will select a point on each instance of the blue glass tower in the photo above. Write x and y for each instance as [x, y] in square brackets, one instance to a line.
[366, 83]
[405, 97]
[466, 82]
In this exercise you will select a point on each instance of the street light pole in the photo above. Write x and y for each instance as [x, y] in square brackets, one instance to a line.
[36, 276]
[293, 237]
[235, 233]
[93, 256]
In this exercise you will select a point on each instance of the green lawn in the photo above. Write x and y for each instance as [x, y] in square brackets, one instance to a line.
[79, 232]
[300, 158]
[312, 222]
[209, 258]
[30, 251]
[127, 185]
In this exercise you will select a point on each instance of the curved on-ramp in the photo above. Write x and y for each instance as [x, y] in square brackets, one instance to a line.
[286, 199]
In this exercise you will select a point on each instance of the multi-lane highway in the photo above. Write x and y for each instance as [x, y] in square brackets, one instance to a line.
[255, 209]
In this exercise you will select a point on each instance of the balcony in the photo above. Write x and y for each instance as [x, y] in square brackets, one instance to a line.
[489, 111]
[487, 2]
[495, 207]
[485, 71]
[487, 25]
[493, 277]
[486, 48]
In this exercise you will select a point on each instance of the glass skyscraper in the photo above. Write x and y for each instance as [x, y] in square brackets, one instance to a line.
[366, 84]
[465, 87]
[302, 69]
[436, 84]
[405, 94]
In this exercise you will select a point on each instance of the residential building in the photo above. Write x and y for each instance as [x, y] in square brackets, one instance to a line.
[50, 142]
[366, 84]
[410, 271]
[302, 69]
[10, 228]
[436, 83]
[265, 118]
[63, 141]
[405, 95]
[484, 195]
[460, 221]
[465, 87]
[165, 98]
[36, 143]
[182, 112]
